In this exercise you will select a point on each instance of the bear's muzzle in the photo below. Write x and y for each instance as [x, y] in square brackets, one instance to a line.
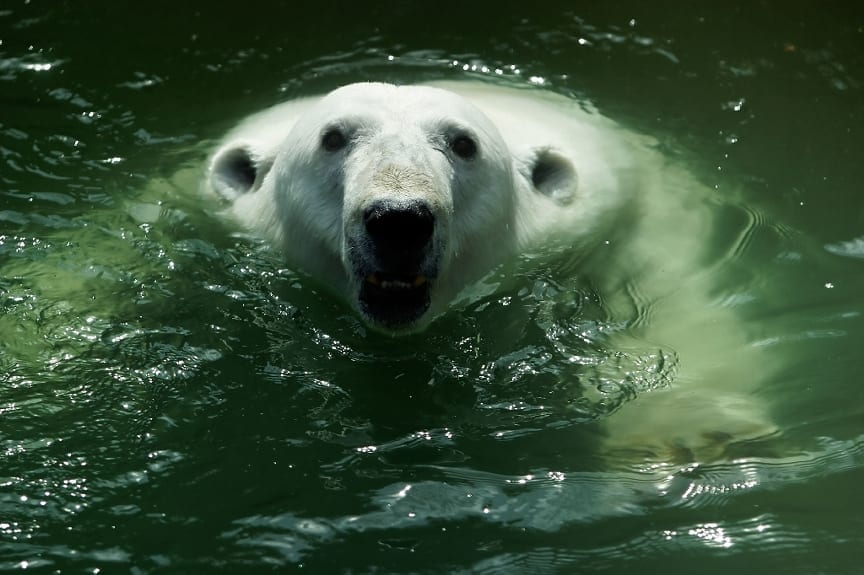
[395, 262]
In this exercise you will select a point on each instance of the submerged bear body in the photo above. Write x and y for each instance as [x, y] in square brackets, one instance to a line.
[399, 198]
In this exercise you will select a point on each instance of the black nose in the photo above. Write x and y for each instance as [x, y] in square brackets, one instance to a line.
[399, 228]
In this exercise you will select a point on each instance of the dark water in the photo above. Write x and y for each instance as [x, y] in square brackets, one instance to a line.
[174, 400]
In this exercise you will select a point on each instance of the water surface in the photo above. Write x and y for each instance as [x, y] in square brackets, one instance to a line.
[174, 399]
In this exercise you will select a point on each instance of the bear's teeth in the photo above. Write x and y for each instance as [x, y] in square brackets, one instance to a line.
[395, 284]
[416, 282]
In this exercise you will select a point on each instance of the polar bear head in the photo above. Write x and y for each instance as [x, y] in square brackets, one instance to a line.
[398, 196]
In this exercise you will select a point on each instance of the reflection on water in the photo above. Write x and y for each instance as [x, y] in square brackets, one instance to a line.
[173, 399]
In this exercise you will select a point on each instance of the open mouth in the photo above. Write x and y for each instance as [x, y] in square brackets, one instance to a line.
[394, 300]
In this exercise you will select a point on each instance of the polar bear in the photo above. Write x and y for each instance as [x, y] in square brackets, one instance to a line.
[401, 197]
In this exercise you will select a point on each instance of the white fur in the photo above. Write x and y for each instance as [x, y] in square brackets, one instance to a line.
[547, 168]
[305, 201]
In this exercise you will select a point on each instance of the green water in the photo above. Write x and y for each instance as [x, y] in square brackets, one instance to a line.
[173, 399]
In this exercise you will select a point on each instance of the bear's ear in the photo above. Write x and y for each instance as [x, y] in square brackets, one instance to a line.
[237, 170]
[551, 174]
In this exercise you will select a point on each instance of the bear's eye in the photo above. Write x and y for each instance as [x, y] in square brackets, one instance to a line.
[333, 140]
[464, 146]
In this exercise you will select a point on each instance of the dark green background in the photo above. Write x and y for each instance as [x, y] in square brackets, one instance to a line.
[172, 400]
